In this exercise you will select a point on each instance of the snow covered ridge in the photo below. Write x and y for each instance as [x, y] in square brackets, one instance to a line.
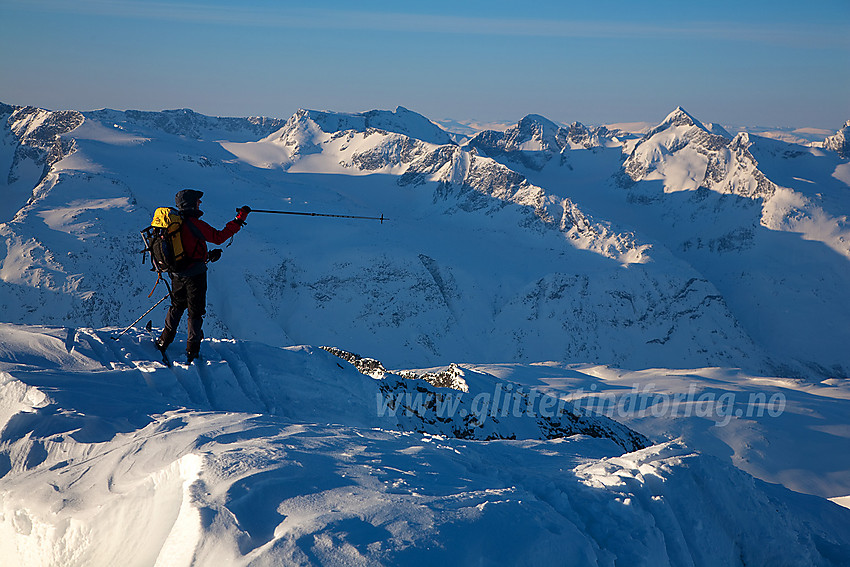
[188, 123]
[482, 407]
[263, 455]
[535, 140]
[401, 121]
[227, 382]
[386, 143]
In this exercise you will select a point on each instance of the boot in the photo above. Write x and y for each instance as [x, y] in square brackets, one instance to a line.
[164, 339]
[193, 351]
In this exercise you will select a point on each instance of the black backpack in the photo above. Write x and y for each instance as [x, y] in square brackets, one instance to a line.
[164, 242]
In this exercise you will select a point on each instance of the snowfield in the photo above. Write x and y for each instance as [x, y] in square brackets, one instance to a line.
[620, 345]
[276, 456]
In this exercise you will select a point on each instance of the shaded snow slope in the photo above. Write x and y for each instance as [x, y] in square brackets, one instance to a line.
[299, 383]
[263, 456]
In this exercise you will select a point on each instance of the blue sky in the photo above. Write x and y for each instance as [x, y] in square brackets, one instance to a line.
[776, 63]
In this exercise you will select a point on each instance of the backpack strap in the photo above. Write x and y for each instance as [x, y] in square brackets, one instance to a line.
[196, 232]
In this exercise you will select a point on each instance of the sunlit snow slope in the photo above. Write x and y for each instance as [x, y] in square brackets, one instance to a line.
[276, 456]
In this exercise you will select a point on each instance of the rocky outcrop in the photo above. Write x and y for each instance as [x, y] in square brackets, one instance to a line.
[840, 142]
[38, 136]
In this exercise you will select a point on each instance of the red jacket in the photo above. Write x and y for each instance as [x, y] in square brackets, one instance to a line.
[195, 247]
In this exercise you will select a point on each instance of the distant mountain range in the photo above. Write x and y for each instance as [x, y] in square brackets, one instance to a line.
[683, 246]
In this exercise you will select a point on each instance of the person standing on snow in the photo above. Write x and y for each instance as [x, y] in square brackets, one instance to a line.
[189, 286]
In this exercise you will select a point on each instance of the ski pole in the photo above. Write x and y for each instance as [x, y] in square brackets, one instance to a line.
[167, 295]
[381, 218]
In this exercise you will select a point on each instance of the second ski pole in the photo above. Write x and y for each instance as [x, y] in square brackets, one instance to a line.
[166, 296]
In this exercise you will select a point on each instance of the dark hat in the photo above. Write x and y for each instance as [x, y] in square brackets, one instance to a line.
[187, 199]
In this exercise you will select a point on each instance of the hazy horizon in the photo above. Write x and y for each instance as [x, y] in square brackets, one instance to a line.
[760, 63]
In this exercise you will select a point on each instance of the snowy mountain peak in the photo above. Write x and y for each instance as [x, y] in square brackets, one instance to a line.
[681, 117]
[37, 138]
[686, 155]
[532, 142]
[534, 132]
[577, 135]
[681, 120]
[535, 140]
[400, 121]
[537, 123]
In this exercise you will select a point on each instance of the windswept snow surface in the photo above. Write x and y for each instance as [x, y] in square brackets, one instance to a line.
[679, 265]
[781, 430]
[277, 456]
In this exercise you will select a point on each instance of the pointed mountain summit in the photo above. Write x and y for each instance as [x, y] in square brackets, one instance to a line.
[534, 126]
[683, 120]
[532, 133]
[681, 117]
[686, 154]
[532, 142]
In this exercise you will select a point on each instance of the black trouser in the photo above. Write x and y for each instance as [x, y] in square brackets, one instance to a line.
[187, 292]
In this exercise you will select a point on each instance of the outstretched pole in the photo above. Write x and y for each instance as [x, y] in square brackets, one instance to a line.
[381, 218]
